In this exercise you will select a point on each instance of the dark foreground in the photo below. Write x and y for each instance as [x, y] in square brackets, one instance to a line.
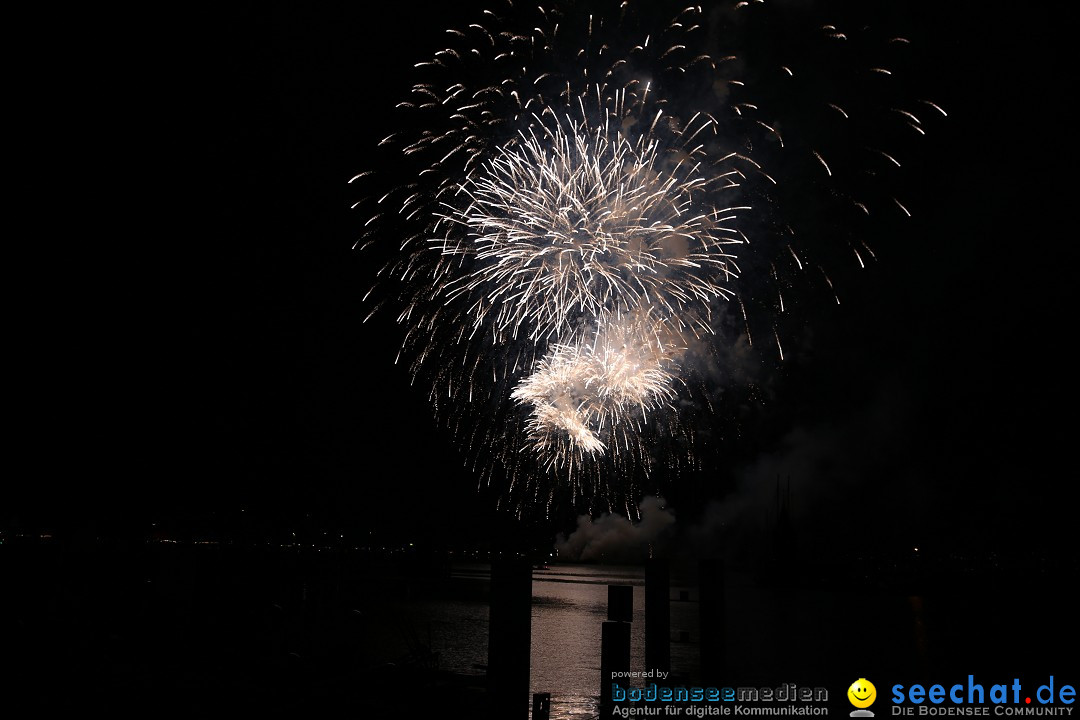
[202, 630]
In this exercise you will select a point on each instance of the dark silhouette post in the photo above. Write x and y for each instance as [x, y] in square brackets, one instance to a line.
[657, 615]
[712, 611]
[509, 637]
[615, 641]
[614, 658]
[620, 603]
[541, 706]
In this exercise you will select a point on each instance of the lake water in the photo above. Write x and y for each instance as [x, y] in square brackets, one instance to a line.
[569, 605]
[772, 635]
[269, 628]
[776, 634]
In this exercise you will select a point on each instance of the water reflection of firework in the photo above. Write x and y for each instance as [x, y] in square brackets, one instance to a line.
[585, 198]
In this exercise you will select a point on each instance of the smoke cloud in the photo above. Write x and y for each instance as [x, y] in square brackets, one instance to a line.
[836, 483]
[614, 538]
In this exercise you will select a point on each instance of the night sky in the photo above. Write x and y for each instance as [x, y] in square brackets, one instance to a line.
[188, 324]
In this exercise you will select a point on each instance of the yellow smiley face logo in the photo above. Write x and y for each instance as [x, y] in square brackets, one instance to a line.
[862, 693]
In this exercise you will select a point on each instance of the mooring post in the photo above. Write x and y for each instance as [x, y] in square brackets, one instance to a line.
[509, 637]
[657, 615]
[712, 616]
[614, 660]
[615, 642]
[541, 706]
[620, 603]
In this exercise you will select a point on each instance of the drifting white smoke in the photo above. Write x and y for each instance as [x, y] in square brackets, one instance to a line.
[614, 538]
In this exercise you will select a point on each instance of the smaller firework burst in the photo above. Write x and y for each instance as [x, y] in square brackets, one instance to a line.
[593, 395]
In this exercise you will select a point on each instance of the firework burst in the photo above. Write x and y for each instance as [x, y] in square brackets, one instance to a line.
[571, 222]
[586, 206]
[595, 392]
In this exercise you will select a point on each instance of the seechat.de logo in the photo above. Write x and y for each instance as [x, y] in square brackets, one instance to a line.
[976, 698]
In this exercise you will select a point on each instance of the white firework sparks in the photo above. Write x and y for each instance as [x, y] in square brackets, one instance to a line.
[571, 233]
[571, 221]
[603, 386]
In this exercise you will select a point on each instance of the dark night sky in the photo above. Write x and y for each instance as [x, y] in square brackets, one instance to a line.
[189, 333]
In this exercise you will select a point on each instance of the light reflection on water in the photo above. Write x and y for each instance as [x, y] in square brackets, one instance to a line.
[772, 635]
[568, 609]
